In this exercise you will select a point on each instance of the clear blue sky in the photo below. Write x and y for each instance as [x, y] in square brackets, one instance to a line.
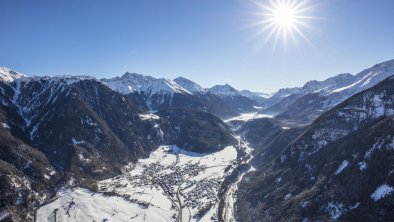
[208, 41]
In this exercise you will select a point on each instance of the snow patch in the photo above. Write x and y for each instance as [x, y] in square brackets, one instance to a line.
[382, 192]
[362, 165]
[5, 125]
[46, 176]
[341, 167]
[335, 210]
[287, 196]
[354, 206]
[76, 142]
[149, 116]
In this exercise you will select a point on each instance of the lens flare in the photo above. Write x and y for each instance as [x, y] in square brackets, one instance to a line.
[281, 19]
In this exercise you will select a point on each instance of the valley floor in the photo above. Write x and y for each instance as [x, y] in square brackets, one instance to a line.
[171, 185]
[230, 195]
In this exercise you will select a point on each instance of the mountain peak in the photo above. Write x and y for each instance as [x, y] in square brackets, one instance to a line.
[189, 85]
[8, 75]
[223, 90]
[132, 76]
[164, 86]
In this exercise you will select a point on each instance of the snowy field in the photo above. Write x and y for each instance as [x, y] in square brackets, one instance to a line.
[171, 185]
[248, 116]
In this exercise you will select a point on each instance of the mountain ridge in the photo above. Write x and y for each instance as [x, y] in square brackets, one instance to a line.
[333, 169]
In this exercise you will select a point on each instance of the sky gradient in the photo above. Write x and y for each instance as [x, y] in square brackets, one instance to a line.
[209, 42]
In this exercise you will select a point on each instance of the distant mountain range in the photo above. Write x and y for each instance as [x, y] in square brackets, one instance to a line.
[314, 97]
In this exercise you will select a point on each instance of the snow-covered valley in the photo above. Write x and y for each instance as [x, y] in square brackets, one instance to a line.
[171, 185]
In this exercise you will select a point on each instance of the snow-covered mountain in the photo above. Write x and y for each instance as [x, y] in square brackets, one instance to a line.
[260, 98]
[360, 82]
[160, 94]
[132, 82]
[316, 97]
[189, 85]
[339, 168]
[227, 91]
[223, 90]
[345, 83]
[8, 75]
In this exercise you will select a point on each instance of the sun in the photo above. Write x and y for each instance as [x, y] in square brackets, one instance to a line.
[284, 16]
[283, 19]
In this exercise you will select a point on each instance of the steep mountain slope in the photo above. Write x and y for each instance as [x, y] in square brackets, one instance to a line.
[339, 168]
[188, 124]
[25, 172]
[267, 136]
[66, 129]
[306, 103]
[64, 113]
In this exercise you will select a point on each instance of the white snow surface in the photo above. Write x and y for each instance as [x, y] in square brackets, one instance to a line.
[335, 210]
[224, 90]
[8, 75]
[84, 205]
[76, 142]
[340, 87]
[248, 116]
[171, 184]
[189, 85]
[148, 116]
[341, 167]
[362, 165]
[382, 192]
[5, 125]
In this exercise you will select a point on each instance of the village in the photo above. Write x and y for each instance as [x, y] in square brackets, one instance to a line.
[188, 180]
